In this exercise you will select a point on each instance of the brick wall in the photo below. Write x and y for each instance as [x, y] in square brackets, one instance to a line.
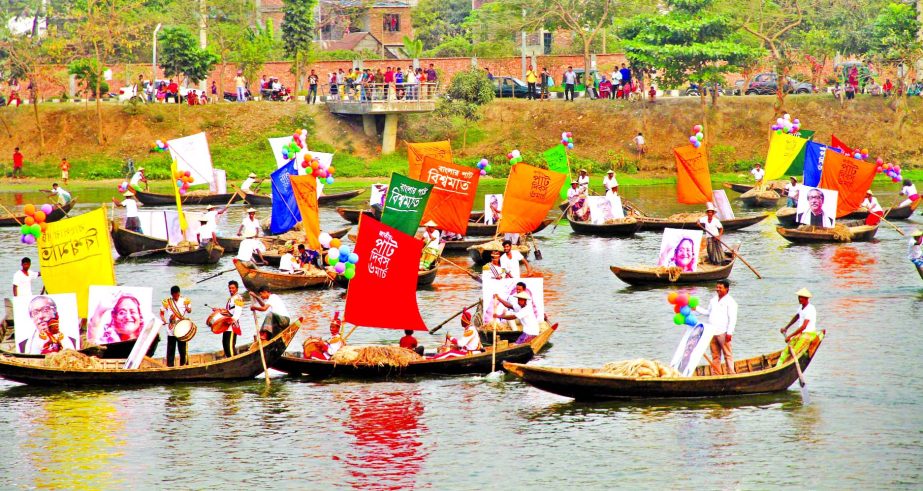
[376, 24]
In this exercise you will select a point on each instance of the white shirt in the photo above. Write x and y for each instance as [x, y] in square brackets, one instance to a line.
[63, 196]
[909, 190]
[251, 228]
[791, 191]
[205, 232]
[410, 78]
[616, 76]
[583, 183]
[639, 140]
[287, 263]
[871, 204]
[470, 339]
[245, 186]
[135, 179]
[712, 226]
[235, 305]
[758, 174]
[570, 77]
[511, 264]
[182, 306]
[810, 314]
[572, 193]
[431, 241]
[915, 252]
[610, 182]
[248, 247]
[212, 217]
[23, 283]
[527, 320]
[722, 314]
[131, 207]
[276, 306]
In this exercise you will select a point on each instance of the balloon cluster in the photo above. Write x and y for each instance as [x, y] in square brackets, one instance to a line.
[683, 305]
[318, 169]
[861, 154]
[891, 170]
[484, 166]
[786, 124]
[514, 157]
[183, 180]
[159, 146]
[567, 139]
[34, 224]
[123, 186]
[296, 145]
[695, 139]
[339, 256]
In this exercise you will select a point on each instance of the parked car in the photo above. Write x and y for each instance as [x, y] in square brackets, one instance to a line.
[766, 84]
[505, 86]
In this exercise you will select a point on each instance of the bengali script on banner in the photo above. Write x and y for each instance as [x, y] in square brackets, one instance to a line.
[75, 253]
[383, 293]
[783, 150]
[851, 178]
[693, 181]
[305, 192]
[530, 194]
[454, 189]
[440, 150]
[556, 158]
[405, 202]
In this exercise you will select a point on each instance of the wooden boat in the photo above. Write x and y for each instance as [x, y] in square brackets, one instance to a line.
[351, 214]
[786, 214]
[813, 235]
[209, 254]
[756, 375]
[127, 242]
[424, 278]
[273, 259]
[652, 223]
[705, 272]
[487, 335]
[480, 253]
[624, 229]
[265, 200]
[254, 278]
[777, 186]
[158, 199]
[56, 214]
[760, 199]
[119, 350]
[455, 247]
[296, 364]
[483, 230]
[202, 367]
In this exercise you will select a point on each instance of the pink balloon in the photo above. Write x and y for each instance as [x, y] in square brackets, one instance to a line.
[46, 208]
[682, 299]
[28, 239]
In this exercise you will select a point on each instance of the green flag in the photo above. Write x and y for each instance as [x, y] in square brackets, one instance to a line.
[556, 158]
[797, 167]
[404, 203]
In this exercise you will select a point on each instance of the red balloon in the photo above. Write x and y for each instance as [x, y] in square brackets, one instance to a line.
[682, 299]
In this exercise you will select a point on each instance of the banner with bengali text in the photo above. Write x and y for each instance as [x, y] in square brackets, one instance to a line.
[452, 197]
[405, 203]
[441, 150]
[305, 192]
[530, 193]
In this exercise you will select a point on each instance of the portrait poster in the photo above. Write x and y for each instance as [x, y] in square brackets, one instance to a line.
[601, 209]
[493, 207]
[506, 288]
[680, 248]
[816, 206]
[615, 203]
[377, 196]
[46, 323]
[145, 339]
[720, 200]
[692, 346]
[117, 313]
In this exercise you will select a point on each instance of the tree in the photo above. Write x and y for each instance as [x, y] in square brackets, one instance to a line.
[227, 29]
[468, 91]
[456, 47]
[298, 32]
[772, 21]
[896, 42]
[180, 54]
[436, 22]
[255, 49]
[413, 48]
[87, 71]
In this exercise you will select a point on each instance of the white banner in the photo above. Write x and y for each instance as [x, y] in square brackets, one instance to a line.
[724, 206]
[164, 225]
[219, 184]
[192, 154]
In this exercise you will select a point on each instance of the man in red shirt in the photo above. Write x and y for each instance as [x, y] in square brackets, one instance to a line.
[17, 163]
[410, 342]
[173, 91]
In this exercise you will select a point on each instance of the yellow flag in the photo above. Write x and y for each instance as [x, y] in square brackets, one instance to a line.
[179, 201]
[783, 149]
[75, 253]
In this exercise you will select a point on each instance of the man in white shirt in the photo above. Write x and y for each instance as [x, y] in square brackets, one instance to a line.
[583, 181]
[525, 316]
[211, 214]
[610, 183]
[206, 232]
[640, 145]
[132, 222]
[570, 81]
[573, 193]
[250, 227]
[806, 319]
[63, 196]
[915, 254]
[758, 174]
[249, 247]
[287, 261]
[722, 316]
[22, 279]
[510, 260]
[870, 203]
[137, 178]
[431, 238]
[246, 186]
[791, 190]
[234, 308]
[713, 230]
[276, 312]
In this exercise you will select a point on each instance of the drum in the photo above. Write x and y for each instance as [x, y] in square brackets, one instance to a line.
[219, 322]
[184, 330]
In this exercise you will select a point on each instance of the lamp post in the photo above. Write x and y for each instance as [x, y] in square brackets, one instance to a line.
[154, 55]
[523, 49]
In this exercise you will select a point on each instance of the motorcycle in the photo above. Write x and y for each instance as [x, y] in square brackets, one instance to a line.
[281, 95]
[232, 96]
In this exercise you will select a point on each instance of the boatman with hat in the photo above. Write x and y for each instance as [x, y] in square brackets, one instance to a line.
[713, 230]
[431, 238]
[610, 183]
[212, 212]
[137, 178]
[132, 222]
[206, 232]
[525, 316]
[806, 321]
[246, 186]
[583, 182]
[870, 203]
[915, 254]
[250, 226]
[276, 312]
[172, 310]
[758, 174]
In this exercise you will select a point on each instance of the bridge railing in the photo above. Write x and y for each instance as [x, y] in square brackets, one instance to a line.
[374, 92]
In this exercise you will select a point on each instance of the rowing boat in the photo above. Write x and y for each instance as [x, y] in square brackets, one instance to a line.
[254, 278]
[210, 254]
[56, 214]
[480, 253]
[127, 242]
[743, 188]
[625, 228]
[786, 214]
[202, 367]
[756, 375]
[265, 200]
[351, 214]
[424, 278]
[158, 199]
[766, 198]
[296, 364]
[651, 223]
[484, 230]
[273, 259]
[705, 272]
[117, 350]
[807, 234]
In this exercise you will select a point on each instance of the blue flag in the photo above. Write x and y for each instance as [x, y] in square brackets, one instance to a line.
[814, 162]
[285, 213]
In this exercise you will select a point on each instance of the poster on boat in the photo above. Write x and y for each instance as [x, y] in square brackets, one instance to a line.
[377, 196]
[493, 205]
[680, 248]
[603, 209]
[164, 225]
[46, 323]
[506, 288]
[117, 313]
[816, 206]
[720, 200]
[691, 347]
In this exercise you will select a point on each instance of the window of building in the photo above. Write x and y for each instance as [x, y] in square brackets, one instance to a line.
[392, 22]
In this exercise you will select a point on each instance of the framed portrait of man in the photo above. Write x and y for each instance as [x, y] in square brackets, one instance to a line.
[692, 346]
[603, 209]
[680, 248]
[46, 324]
[117, 313]
[506, 288]
[493, 206]
[816, 206]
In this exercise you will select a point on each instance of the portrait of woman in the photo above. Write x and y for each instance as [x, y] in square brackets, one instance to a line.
[117, 314]
[680, 249]
[684, 255]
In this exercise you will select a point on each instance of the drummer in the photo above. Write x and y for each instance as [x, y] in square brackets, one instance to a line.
[234, 308]
[175, 308]
[250, 227]
[333, 344]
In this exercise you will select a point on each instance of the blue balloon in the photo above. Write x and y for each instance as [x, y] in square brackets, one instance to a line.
[179, 183]
[685, 311]
[691, 320]
[353, 258]
[344, 257]
[329, 179]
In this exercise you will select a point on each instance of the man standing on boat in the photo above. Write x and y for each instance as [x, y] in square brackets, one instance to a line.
[610, 183]
[245, 187]
[713, 230]
[132, 222]
[63, 196]
[206, 232]
[211, 214]
[234, 308]
[870, 203]
[525, 316]
[806, 332]
[250, 227]
[791, 191]
[758, 174]
[137, 178]
[583, 182]
[431, 238]
[249, 248]
[22, 279]
[915, 254]
[276, 312]
[722, 316]
[510, 260]
[172, 310]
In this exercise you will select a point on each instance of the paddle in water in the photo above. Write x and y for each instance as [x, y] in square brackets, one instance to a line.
[805, 398]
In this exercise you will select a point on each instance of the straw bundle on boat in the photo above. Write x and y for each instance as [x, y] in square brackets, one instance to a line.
[639, 368]
[184, 246]
[672, 272]
[766, 194]
[840, 232]
[613, 221]
[685, 217]
[69, 359]
[380, 356]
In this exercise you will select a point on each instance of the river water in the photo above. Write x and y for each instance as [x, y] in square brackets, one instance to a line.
[863, 428]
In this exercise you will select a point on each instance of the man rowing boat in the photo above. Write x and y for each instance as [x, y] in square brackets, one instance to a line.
[806, 332]
[713, 230]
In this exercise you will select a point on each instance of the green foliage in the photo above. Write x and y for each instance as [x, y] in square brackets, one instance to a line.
[470, 86]
[413, 48]
[894, 34]
[298, 26]
[255, 49]
[457, 47]
[342, 54]
[435, 22]
[87, 71]
[181, 55]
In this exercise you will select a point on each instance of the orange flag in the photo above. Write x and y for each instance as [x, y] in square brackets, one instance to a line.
[452, 197]
[305, 190]
[530, 193]
[851, 178]
[417, 151]
[693, 181]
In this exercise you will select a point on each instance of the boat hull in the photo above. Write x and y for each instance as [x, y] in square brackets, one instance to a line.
[202, 255]
[650, 223]
[254, 278]
[605, 229]
[640, 276]
[861, 233]
[57, 213]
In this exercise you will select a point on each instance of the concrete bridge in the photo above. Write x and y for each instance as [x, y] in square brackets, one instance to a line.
[373, 101]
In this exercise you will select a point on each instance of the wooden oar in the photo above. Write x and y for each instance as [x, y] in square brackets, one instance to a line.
[801, 381]
[556, 222]
[734, 253]
[8, 212]
[259, 339]
[216, 275]
[433, 330]
[147, 252]
[895, 227]
[538, 253]
[466, 270]
[350, 333]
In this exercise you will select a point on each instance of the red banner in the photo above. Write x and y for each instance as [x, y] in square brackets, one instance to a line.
[851, 178]
[383, 293]
[837, 143]
[693, 181]
[454, 189]
[530, 193]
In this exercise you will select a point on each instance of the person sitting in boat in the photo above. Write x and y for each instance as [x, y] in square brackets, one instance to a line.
[469, 343]
[206, 232]
[137, 178]
[610, 183]
[806, 332]
[910, 191]
[287, 261]
[431, 238]
[333, 344]
[409, 342]
[63, 196]
[246, 186]
[308, 258]
[915, 254]
[758, 174]
[251, 252]
[583, 181]
[250, 225]
[791, 191]
[870, 203]
[713, 230]
[573, 193]
[276, 312]
[525, 316]
[510, 260]
[494, 268]
[132, 222]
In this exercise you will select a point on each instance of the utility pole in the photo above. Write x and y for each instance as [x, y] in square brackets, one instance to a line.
[203, 38]
[154, 56]
[523, 50]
